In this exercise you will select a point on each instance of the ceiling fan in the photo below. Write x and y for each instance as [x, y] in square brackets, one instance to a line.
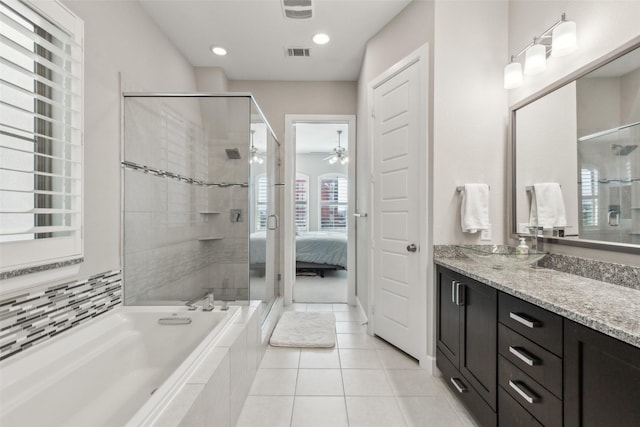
[339, 153]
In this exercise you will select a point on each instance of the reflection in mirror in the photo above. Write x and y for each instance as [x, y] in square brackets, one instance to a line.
[584, 136]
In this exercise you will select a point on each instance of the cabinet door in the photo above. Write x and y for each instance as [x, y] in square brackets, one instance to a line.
[478, 356]
[602, 379]
[448, 316]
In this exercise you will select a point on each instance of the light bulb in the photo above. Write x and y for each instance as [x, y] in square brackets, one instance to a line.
[219, 50]
[333, 160]
[513, 75]
[344, 160]
[321, 38]
[535, 59]
[564, 39]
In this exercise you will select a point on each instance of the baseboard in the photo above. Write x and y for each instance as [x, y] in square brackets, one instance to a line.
[428, 363]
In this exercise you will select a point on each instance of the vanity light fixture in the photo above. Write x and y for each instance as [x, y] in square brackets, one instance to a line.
[535, 59]
[321, 38]
[564, 39]
[513, 74]
[218, 50]
[559, 40]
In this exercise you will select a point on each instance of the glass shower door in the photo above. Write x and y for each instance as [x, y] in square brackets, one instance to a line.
[264, 224]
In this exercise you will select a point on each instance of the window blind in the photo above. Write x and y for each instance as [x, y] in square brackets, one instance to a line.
[333, 203]
[261, 203]
[589, 193]
[41, 67]
[302, 202]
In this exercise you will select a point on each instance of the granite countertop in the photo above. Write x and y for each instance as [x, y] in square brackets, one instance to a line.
[611, 309]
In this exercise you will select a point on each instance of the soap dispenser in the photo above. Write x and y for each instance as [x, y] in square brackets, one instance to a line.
[522, 251]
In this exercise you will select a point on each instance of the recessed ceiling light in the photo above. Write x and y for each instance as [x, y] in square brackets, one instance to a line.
[321, 38]
[219, 50]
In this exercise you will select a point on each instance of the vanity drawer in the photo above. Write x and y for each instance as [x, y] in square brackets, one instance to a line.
[511, 414]
[540, 364]
[537, 400]
[465, 392]
[535, 323]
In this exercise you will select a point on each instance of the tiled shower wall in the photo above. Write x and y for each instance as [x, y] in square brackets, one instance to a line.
[33, 317]
[178, 236]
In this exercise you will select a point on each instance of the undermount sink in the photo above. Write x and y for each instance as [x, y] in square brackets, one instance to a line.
[500, 256]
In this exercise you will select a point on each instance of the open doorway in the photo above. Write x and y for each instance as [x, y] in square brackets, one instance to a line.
[320, 155]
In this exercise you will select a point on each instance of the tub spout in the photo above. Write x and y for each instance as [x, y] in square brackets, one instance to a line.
[207, 302]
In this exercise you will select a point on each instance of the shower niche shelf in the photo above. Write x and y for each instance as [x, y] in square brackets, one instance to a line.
[209, 238]
[209, 212]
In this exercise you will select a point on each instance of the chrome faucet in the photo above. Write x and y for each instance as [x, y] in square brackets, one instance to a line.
[207, 301]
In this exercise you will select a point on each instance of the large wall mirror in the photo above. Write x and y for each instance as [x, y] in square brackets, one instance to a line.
[585, 136]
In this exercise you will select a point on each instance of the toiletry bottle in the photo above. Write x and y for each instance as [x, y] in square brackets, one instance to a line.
[522, 251]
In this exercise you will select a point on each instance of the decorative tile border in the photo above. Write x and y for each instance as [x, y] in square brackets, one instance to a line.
[32, 318]
[617, 274]
[39, 268]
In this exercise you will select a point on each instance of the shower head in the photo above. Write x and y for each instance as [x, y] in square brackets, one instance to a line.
[233, 153]
[623, 150]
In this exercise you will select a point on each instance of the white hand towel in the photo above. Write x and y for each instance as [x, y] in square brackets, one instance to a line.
[547, 206]
[474, 211]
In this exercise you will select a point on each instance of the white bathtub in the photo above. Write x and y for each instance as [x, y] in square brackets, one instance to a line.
[121, 368]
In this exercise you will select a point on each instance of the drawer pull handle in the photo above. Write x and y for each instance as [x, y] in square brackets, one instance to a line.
[459, 293]
[521, 392]
[458, 385]
[524, 356]
[453, 291]
[524, 320]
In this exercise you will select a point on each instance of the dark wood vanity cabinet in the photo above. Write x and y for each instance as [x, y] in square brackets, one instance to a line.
[530, 360]
[602, 379]
[466, 342]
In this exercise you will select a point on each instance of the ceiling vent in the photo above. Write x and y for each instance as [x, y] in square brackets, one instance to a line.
[298, 52]
[297, 9]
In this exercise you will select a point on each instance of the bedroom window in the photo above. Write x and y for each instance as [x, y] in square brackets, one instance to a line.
[261, 202]
[302, 202]
[41, 125]
[333, 202]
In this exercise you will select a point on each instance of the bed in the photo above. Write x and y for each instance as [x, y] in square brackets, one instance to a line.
[316, 251]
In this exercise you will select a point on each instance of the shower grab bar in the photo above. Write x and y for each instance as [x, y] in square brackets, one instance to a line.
[166, 174]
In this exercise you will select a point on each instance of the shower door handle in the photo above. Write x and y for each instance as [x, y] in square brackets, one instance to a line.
[273, 222]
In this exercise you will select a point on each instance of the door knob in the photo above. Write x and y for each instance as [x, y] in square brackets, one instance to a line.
[412, 248]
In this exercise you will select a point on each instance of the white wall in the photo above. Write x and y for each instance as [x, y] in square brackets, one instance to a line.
[470, 113]
[602, 26]
[277, 98]
[119, 38]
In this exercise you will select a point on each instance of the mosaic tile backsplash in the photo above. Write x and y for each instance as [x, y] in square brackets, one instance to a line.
[32, 318]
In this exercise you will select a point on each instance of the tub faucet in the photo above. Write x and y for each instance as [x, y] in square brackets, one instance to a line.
[207, 301]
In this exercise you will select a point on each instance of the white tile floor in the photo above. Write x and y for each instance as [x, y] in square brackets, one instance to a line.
[363, 382]
[315, 289]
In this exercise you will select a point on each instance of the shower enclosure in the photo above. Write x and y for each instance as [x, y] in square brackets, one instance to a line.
[609, 185]
[198, 177]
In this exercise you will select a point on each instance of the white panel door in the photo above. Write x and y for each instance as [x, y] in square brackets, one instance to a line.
[396, 210]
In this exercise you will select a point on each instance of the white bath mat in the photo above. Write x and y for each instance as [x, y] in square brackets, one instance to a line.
[305, 329]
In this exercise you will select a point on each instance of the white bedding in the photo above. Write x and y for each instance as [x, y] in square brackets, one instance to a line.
[318, 247]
